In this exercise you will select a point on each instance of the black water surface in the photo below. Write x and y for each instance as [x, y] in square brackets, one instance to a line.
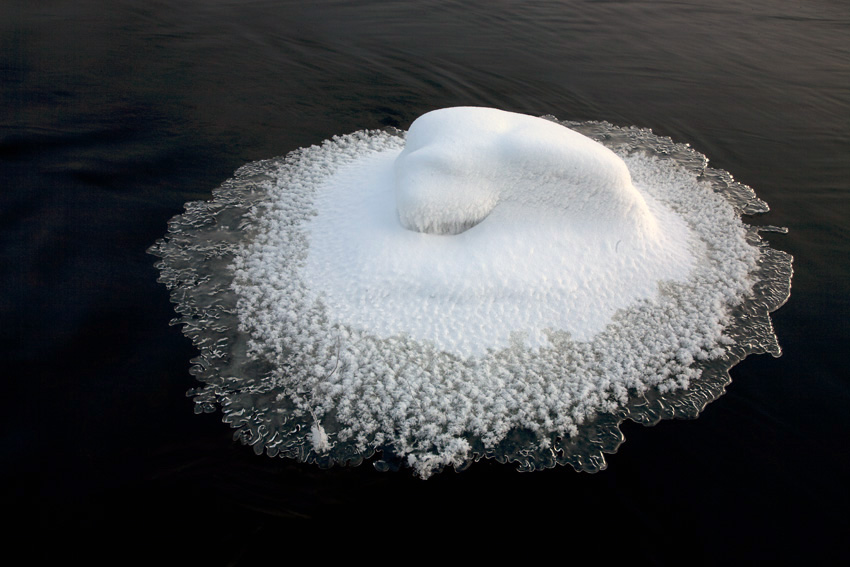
[113, 114]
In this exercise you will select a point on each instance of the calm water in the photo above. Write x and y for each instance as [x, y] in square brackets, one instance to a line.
[113, 114]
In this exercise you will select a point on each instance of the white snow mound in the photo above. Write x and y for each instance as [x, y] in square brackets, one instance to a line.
[566, 238]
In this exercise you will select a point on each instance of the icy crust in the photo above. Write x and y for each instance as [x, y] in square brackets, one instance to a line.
[293, 384]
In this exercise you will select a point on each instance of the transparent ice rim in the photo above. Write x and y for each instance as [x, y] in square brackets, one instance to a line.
[196, 265]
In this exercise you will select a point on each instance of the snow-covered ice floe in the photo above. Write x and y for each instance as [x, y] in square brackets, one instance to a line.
[487, 284]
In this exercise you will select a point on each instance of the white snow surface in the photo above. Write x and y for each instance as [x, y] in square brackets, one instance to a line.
[566, 242]
[576, 288]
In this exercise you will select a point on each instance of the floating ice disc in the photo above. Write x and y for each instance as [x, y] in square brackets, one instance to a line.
[489, 284]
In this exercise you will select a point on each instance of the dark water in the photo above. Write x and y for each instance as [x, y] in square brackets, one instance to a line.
[113, 114]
